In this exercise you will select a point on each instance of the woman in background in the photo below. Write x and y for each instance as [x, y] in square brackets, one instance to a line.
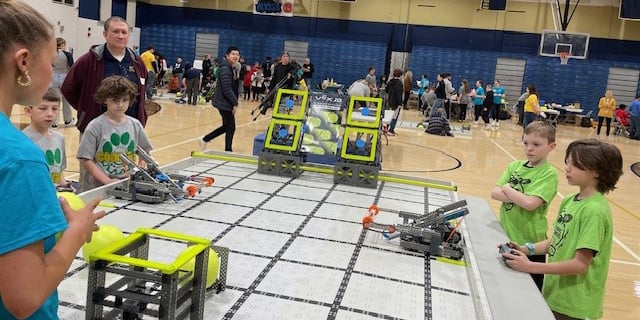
[606, 108]
[61, 65]
[394, 90]
[408, 84]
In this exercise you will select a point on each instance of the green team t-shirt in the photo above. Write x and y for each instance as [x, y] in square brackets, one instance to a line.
[541, 181]
[584, 224]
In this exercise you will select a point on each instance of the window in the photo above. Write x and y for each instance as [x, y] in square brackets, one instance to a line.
[67, 2]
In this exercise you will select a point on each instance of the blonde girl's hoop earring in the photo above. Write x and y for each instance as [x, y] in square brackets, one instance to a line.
[27, 77]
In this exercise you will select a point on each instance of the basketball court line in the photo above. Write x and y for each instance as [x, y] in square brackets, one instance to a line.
[617, 241]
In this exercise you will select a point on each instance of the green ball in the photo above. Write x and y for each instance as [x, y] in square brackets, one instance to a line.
[314, 121]
[213, 267]
[308, 138]
[101, 238]
[73, 199]
[333, 118]
[420, 125]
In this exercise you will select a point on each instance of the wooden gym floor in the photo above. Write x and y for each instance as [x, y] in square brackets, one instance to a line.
[473, 162]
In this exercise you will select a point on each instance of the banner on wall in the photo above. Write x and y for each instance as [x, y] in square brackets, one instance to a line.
[283, 8]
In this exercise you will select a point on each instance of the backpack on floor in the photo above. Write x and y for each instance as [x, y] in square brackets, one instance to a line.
[585, 122]
[504, 115]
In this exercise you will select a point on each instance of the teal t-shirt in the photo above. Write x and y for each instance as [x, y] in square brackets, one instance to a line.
[584, 224]
[541, 181]
[30, 209]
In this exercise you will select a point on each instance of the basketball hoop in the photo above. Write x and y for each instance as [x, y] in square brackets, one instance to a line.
[564, 57]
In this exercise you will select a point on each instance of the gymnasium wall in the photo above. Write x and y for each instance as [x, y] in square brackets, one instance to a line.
[453, 36]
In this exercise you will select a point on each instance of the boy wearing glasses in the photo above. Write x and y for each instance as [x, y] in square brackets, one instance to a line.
[40, 131]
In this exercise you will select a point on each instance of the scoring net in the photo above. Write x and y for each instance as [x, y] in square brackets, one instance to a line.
[564, 57]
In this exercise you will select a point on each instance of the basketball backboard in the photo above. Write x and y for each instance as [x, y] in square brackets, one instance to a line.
[553, 42]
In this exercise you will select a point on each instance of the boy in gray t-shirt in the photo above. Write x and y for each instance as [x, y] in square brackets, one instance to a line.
[50, 142]
[370, 79]
[111, 134]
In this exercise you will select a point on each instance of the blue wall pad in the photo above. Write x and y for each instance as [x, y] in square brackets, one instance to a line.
[343, 49]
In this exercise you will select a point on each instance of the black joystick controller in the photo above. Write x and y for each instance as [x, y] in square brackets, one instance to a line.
[506, 248]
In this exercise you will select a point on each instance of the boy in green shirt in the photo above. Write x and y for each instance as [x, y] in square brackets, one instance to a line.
[526, 188]
[580, 247]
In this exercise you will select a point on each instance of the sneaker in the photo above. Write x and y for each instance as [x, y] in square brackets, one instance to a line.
[70, 123]
[391, 133]
[487, 126]
[202, 144]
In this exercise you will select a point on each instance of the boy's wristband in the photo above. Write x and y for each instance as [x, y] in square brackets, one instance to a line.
[531, 247]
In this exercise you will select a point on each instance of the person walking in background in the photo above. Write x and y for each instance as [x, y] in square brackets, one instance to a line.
[487, 106]
[580, 247]
[526, 189]
[441, 96]
[246, 83]
[257, 83]
[428, 100]
[61, 66]
[225, 99]
[478, 101]
[423, 85]
[242, 69]
[634, 116]
[149, 59]
[266, 68]
[371, 81]
[382, 91]
[111, 58]
[281, 71]
[307, 72]
[161, 62]
[464, 98]
[520, 107]
[178, 68]
[448, 91]
[498, 95]
[408, 85]
[207, 68]
[606, 107]
[32, 261]
[394, 91]
[192, 83]
[531, 106]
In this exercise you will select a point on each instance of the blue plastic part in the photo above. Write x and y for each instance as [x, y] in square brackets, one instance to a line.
[289, 103]
[282, 133]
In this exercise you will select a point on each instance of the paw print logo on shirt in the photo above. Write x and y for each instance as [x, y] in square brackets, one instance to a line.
[111, 149]
[119, 143]
[54, 160]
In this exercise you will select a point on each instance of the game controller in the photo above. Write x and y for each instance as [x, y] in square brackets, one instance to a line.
[506, 248]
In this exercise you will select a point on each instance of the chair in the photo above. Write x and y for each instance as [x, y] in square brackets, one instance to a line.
[552, 117]
[579, 117]
[620, 130]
